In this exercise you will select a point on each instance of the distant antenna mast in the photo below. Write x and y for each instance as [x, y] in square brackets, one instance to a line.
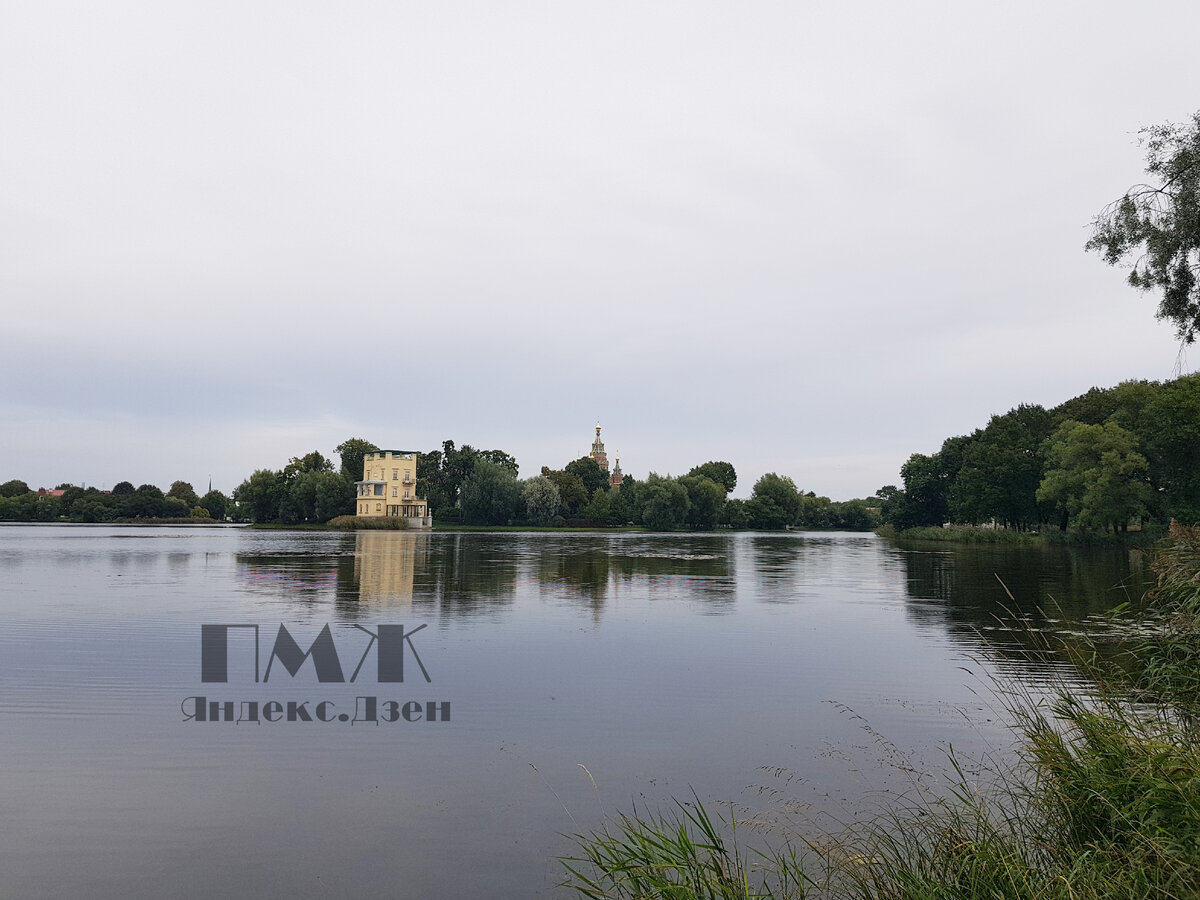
[1181, 366]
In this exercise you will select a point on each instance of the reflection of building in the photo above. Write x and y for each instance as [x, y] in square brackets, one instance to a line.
[385, 563]
[389, 488]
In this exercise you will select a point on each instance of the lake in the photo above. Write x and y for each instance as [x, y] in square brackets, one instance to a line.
[570, 676]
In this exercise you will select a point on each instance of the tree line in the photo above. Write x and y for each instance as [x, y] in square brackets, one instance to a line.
[19, 503]
[1096, 463]
[464, 485]
[482, 488]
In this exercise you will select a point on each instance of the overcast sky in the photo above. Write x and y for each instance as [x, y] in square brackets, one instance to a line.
[809, 238]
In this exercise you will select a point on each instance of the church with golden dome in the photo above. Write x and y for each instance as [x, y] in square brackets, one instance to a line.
[601, 458]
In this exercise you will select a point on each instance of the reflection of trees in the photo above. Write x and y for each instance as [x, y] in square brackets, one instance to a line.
[467, 573]
[804, 565]
[1054, 590]
[696, 567]
[302, 574]
[594, 569]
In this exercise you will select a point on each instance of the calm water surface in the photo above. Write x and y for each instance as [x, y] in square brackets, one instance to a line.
[585, 673]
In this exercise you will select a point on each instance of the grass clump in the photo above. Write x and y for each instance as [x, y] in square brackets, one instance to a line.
[359, 523]
[1104, 802]
[680, 855]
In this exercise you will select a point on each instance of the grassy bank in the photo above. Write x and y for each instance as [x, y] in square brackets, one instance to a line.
[1104, 801]
[962, 534]
[976, 534]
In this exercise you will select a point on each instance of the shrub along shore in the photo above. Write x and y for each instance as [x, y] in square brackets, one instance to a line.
[976, 534]
[1104, 800]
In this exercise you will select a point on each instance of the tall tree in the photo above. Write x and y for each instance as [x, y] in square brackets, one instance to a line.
[589, 472]
[216, 503]
[1001, 469]
[184, 491]
[571, 491]
[490, 494]
[926, 496]
[719, 471]
[1155, 228]
[259, 496]
[1169, 435]
[1095, 475]
[774, 502]
[705, 499]
[351, 452]
[14, 488]
[664, 503]
[541, 500]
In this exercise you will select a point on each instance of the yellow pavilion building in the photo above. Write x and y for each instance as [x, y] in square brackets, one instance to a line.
[389, 488]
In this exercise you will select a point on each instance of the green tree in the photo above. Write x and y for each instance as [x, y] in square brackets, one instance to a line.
[309, 462]
[216, 503]
[572, 493]
[441, 473]
[92, 509]
[734, 514]
[334, 496]
[541, 499]
[259, 495]
[774, 502]
[1095, 475]
[892, 505]
[502, 459]
[722, 473]
[625, 505]
[47, 509]
[351, 452]
[816, 512]
[122, 488]
[664, 503]
[1000, 472]
[72, 496]
[14, 488]
[175, 508]
[589, 472]
[705, 499]
[22, 508]
[1155, 228]
[147, 502]
[1168, 433]
[184, 492]
[300, 501]
[599, 508]
[317, 496]
[490, 494]
[855, 515]
[925, 496]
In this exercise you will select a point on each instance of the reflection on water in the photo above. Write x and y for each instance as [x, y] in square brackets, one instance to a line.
[1013, 599]
[661, 662]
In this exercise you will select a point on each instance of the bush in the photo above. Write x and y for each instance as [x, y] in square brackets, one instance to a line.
[356, 523]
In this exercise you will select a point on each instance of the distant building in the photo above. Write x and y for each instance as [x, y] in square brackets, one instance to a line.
[615, 479]
[598, 453]
[601, 458]
[389, 488]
